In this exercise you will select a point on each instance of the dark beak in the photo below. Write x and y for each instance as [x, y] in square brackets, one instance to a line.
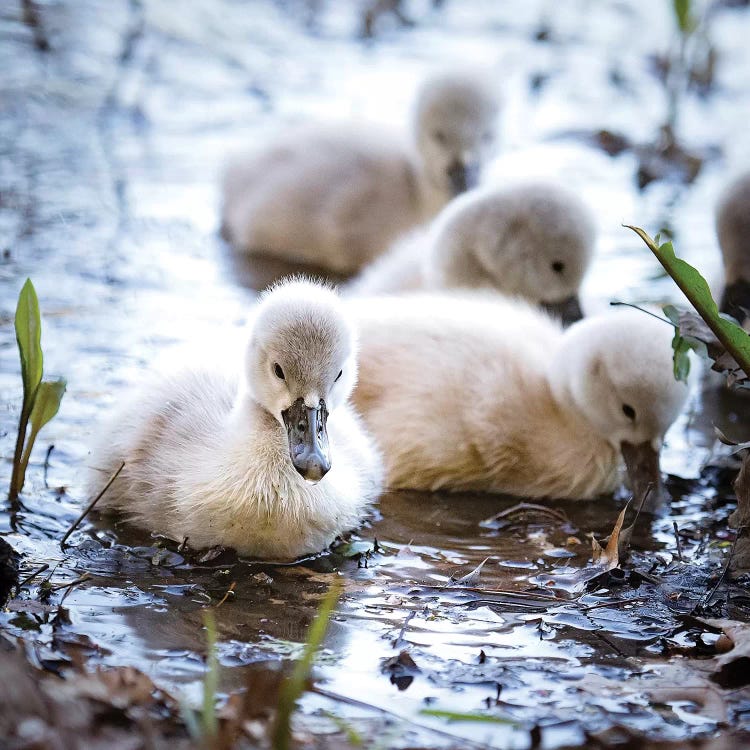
[308, 439]
[736, 300]
[642, 463]
[462, 177]
[568, 310]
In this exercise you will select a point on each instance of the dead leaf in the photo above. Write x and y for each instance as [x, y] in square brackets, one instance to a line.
[732, 668]
[470, 579]
[402, 669]
[609, 557]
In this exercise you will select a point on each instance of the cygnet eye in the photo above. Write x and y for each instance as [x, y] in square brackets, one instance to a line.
[558, 266]
[341, 372]
[278, 371]
[440, 137]
[628, 411]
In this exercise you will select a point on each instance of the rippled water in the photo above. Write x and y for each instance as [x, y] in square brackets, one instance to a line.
[110, 144]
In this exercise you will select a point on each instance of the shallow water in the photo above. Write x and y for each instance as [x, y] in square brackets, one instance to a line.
[110, 144]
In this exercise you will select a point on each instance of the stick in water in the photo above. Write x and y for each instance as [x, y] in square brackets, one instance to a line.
[91, 505]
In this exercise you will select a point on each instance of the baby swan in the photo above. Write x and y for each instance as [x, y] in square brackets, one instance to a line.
[337, 197]
[479, 392]
[276, 464]
[533, 240]
[733, 230]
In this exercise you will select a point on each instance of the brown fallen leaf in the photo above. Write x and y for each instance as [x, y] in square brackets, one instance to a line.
[609, 557]
[732, 668]
[740, 519]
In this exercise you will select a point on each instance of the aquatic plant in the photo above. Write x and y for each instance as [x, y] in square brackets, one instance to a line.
[732, 337]
[295, 685]
[728, 344]
[41, 398]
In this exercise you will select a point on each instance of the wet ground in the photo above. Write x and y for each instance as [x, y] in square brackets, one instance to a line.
[114, 119]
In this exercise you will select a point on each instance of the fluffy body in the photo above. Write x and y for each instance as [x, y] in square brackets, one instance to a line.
[478, 392]
[534, 240]
[207, 457]
[733, 228]
[336, 197]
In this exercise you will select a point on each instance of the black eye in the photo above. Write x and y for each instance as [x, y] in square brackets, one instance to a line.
[440, 136]
[558, 266]
[279, 372]
[341, 372]
[628, 411]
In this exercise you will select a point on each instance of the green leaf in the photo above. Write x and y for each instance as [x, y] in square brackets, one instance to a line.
[209, 719]
[673, 313]
[685, 21]
[47, 402]
[293, 687]
[457, 716]
[681, 360]
[28, 336]
[734, 339]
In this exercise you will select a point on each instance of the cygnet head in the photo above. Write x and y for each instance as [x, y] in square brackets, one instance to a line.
[733, 230]
[456, 126]
[616, 370]
[301, 364]
[534, 240]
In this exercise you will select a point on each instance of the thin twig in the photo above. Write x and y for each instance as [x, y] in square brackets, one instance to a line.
[29, 578]
[677, 541]
[385, 712]
[526, 507]
[616, 303]
[707, 599]
[46, 463]
[230, 590]
[400, 637]
[80, 579]
[91, 505]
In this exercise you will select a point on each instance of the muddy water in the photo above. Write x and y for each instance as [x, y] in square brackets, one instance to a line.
[109, 146]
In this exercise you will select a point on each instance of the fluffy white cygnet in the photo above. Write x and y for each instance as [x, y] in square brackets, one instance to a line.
[532, 240]
[733, 230]
[274, 463]
[480, 392]
[336, 197]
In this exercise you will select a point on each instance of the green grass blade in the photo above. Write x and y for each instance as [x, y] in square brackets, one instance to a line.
[732, 337]
[458, 716]
[209, 719]
[294, 686]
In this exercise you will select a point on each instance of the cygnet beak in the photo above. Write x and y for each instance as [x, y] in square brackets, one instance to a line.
[568, 310]
[462, 176]
[308, 439]
[736, 300]
[642, 463]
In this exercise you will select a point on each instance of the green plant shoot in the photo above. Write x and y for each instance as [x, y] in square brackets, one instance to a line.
[294, 686]
[686, 23]
[732, 337]
[210, 724]
[41, 399]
